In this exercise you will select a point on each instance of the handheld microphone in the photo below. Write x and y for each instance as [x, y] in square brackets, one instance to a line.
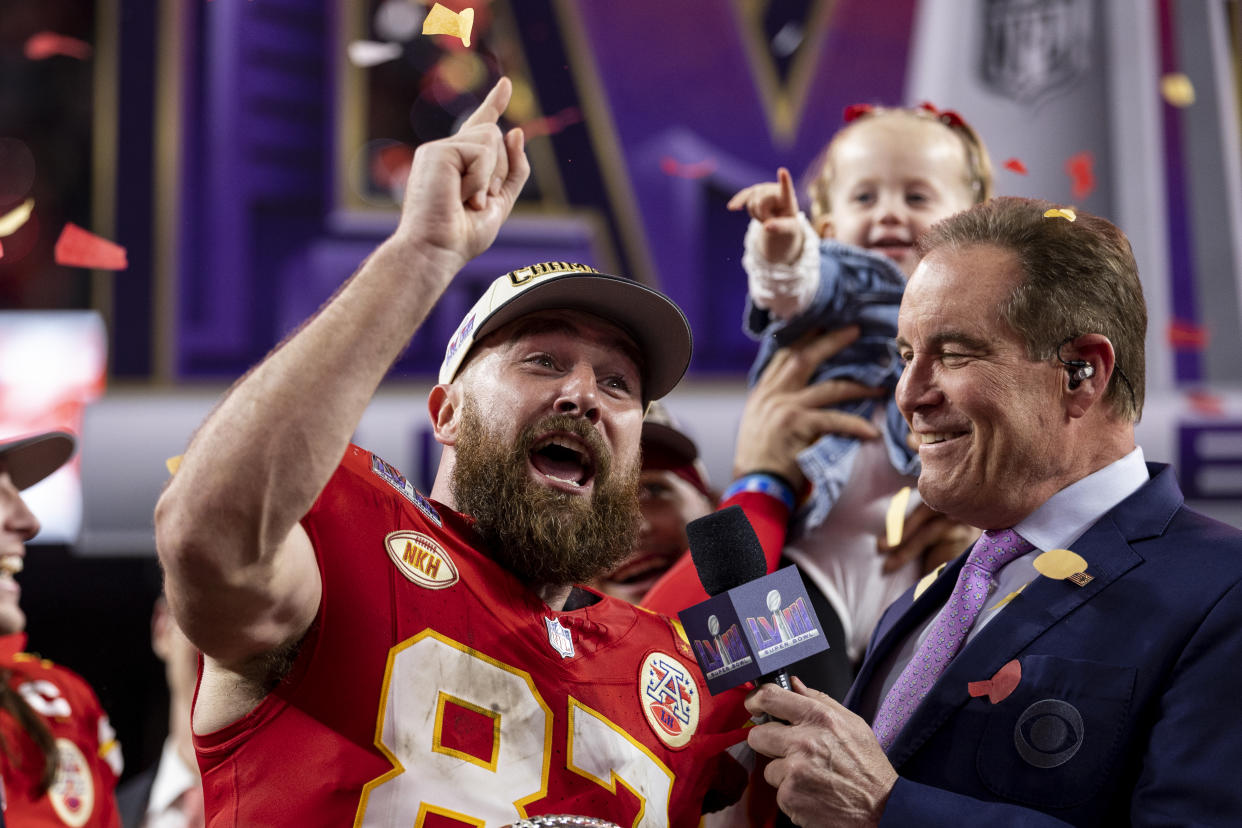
[755, 624]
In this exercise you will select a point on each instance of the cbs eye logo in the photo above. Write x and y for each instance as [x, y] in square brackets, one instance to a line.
[1048, 733]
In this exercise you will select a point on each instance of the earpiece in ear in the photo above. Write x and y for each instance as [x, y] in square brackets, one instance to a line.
[1080, 371]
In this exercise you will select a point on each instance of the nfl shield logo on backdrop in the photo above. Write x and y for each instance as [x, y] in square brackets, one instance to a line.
[1033, 47]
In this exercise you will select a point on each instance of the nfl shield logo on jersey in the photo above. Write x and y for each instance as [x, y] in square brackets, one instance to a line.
[669, 699]
[559, 638]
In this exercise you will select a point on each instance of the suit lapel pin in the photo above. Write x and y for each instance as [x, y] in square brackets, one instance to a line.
[1080, 578]
[1063, 565]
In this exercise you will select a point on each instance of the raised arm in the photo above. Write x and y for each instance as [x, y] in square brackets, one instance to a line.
[241, 577]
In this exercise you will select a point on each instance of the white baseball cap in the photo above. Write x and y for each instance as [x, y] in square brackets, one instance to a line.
[30, 459]
[656, 324]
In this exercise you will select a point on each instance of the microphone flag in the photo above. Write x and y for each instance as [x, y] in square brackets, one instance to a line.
[753, 630]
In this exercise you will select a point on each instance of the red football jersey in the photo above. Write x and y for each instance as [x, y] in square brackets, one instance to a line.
[90, 756]
[434, 689]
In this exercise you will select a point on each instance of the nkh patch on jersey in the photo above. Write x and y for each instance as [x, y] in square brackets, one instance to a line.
[396, 479]
[669, 699]
[421, 559]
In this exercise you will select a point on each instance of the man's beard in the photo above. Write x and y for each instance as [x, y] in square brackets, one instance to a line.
[544, 536]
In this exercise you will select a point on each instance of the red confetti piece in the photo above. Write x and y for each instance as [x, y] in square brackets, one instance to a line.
[1081, 170]
[391, 165]
[79, 248]
[998, 688]
[1206, 403]
[1015, 165]
[855, 111]
[551, 124]
[48, 44]
[1187, 336]
[1, 250]
[699, 169]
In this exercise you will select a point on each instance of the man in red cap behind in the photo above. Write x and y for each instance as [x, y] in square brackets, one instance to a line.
[672, 491]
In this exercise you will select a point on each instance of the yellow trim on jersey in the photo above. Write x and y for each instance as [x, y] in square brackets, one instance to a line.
[681, 631]
[611, 784]
[424, 809]
[437, 744]
[398, 768]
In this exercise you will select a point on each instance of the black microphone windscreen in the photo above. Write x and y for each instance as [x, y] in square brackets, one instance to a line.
[725, 550]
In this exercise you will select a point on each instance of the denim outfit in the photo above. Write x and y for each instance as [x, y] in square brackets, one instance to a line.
[855, 287]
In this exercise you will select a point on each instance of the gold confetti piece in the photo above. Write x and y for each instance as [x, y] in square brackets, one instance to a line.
[173, 463]
[1009, 597]
[13, 220]
[922, 585]
[1059, 564]
[1177, 89]
[446, 22]
[1061, 212]
[896, 519]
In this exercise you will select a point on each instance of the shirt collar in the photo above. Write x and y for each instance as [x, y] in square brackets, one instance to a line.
[1063, 518]
[172, 778]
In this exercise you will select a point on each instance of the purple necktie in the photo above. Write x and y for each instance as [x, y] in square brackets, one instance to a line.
[948, 632]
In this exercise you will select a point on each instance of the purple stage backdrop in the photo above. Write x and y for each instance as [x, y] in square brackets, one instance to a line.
[681, 105]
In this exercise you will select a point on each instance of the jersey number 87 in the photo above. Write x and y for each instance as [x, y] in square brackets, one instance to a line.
[430, 671]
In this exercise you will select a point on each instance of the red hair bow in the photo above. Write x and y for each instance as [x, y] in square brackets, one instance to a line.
[855, 111]
[947, 116]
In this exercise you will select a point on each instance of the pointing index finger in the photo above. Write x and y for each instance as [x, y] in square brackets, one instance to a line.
[493, 105]
[789, 201]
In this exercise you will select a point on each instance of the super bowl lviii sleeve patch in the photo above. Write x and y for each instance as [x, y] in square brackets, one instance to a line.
[669, 699]
[396, 479]
[421, 559]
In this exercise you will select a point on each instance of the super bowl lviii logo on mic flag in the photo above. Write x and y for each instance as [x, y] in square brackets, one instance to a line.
[753, 630]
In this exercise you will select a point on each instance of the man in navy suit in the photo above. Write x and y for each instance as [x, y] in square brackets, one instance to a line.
[1099, 694]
